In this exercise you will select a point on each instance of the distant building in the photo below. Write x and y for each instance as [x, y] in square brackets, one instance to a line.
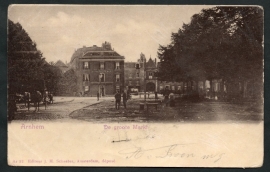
[62, 66]
[98, 69]
[150, 78]
[134, 74]
[140, 75]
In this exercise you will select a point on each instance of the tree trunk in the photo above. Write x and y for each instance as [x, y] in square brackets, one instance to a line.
[222, 89]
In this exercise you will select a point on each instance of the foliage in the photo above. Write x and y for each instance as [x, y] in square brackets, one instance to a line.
[67, 83]
[27, 68]
[219, 43]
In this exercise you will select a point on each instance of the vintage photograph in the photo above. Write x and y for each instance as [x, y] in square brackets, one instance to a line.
[135, 85]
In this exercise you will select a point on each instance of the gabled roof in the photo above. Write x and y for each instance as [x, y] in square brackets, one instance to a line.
[150, 63]
[59, 63]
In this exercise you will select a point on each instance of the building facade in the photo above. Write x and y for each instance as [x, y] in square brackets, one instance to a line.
[134, 75]
[98, 70]
[140, 75]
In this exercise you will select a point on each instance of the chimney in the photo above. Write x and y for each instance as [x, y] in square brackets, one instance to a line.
[156, 61]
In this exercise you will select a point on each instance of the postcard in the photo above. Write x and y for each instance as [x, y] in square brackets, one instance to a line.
[135, 85]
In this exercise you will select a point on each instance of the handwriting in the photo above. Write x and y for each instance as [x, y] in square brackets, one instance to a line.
[163, 152]
[169, 151]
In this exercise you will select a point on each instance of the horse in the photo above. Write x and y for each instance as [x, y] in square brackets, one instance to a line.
[36, 99]
[27, 99]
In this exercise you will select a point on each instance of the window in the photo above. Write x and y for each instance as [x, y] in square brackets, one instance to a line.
[179, 87]
[117, 78]
[86, 88]
[150, 75]
[137, 83]
[129, 82]
[130, 76]
[101, 65]
[85, 77]
[161, 87]
[117, 65]
[85, 65]
[137, 66]
[137, 74]
[172, 87]
[101, 77]
[117, 88]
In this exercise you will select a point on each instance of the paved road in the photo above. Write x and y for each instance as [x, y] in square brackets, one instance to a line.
[84, 108]
[60, 110]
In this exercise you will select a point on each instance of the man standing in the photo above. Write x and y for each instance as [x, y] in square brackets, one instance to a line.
[97, 96]
[117, 100]
[125, 99]
[156, 96]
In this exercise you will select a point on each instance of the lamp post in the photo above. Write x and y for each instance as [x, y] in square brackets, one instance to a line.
[144, 81]
[100, 76]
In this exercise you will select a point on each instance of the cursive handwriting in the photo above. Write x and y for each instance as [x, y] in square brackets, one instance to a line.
[169, 151]
[160, 152]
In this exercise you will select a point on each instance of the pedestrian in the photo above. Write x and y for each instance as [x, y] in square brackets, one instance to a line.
[166, 98]
[125, 99]
[97, 96]
[172, 101]
[117, 100]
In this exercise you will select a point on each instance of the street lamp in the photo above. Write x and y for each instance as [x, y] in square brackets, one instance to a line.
[144, 80]
[100, 76]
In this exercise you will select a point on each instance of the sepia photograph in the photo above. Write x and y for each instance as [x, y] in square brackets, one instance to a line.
[135, 85]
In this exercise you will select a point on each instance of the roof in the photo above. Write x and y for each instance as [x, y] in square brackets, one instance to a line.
[150, 64]
[96, 52]
[59, 63]
[130, 64]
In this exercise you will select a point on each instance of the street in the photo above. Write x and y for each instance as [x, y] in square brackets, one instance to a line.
[89, 109]
[60, 109]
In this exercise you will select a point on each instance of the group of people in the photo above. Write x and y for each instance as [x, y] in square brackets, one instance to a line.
[169, 99]
[118, 96]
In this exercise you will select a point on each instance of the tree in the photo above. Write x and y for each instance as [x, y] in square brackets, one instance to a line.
[211, 46]
[52, 76]
[67, 84]
[27, 68]
[25, 62]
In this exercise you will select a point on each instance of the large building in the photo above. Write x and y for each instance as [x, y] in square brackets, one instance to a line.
[139, 76]
[98, 69]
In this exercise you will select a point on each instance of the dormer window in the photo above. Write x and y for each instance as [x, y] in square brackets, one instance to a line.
[117, 65]
[85, 65]
[137, 66]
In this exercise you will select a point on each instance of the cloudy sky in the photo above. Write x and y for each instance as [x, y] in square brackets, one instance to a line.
[59, 30]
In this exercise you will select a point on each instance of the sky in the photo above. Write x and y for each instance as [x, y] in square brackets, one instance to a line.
[60, 29]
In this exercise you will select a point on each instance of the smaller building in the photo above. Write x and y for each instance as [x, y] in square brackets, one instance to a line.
[134, 75]
[62, 66]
